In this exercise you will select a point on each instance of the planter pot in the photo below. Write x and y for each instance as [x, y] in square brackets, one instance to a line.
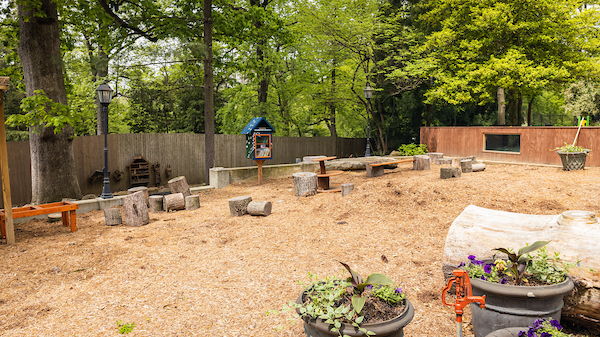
[572, 160]
[509, 306]
[508, 332]
[391, 328]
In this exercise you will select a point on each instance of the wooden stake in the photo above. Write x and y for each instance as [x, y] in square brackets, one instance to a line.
[10, 230]
[260, 164]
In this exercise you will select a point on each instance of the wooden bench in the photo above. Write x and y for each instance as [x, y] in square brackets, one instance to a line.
[323, 181]
[375, 169]
[68, 210]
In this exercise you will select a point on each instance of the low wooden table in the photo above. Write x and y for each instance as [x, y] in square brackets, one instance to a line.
[68, 210]
[323, 177]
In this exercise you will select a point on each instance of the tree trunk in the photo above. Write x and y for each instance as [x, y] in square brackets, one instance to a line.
[519, 113]
[332, 102]
[501, 107]
[529, 110]
[101, 72]
[53, 175]
[513, 106]
[209, 106]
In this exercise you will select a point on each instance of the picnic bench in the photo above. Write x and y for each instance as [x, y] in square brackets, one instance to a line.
[67, 208]
[375, 169]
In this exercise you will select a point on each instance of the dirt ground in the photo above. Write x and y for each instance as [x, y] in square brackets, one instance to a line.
[205, 273]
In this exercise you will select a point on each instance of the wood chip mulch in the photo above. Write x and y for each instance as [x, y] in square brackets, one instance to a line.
[205, 273]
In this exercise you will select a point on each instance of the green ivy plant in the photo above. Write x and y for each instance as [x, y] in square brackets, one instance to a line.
[571, 148]
[125, 328]
[519, 261]
[412, 149]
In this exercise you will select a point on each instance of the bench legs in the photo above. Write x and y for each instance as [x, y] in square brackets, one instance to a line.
[375, 171]
[69, 219]
[2, 229]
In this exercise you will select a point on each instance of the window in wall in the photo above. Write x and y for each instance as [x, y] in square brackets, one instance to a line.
[504, 143]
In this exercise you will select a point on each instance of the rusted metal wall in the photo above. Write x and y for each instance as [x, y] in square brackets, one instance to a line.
[536, 142]
[183, 153]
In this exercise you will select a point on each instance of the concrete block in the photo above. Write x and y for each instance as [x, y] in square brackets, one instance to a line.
[219, 177]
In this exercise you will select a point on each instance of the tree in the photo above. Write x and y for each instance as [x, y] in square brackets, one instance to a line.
[53, 174]
[209, 106]
[522, 46]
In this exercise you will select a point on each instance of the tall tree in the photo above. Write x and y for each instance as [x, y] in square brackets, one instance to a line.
[53, 172]
[209, 106]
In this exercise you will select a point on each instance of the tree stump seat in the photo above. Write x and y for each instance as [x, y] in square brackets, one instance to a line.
[67, 208]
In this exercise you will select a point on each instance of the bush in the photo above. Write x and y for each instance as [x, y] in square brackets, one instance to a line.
[412, 149]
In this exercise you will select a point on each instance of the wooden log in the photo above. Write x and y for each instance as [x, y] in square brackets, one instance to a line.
[449, 172]
[156, 203]
[239, 206]
[174, 202]
[305, 184]
[574, 234]
[192, 202]
[443, 161]
[144, 189]
[374, 171]
[347, 189]
[112, 217]
[259, 208]
[478, 167]
[435, 156]
[466, 166]
[421, 163]
[179, 185]
[135, 210]
[455, 162]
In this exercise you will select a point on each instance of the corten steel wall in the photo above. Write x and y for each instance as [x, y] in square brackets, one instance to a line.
[536, 142]
[183, 152]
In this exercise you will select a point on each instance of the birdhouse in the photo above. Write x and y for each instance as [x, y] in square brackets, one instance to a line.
[259, 139]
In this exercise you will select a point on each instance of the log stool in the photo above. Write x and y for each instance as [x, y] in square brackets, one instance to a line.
[156, 203]
[135, 210]
[179, 185]
[192, 202]
[174, 202]
[305, 184]
[239, 206]
[259, 208]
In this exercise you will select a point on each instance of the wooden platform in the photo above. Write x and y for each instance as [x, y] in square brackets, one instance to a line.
[68, 210]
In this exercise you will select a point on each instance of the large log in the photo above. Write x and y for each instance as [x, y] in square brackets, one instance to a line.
[305, 184]
[421, 163]
[112, 216]
[239, 206]
[156, 203]
[135, 210]
[174, 202]
[144, 189]
[259, 208]
[179, 185]
[574, 234]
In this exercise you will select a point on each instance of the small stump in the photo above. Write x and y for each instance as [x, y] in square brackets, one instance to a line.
[239, 206]
[179, 185]
[450, 172]
[156, 203]
[259, 208]
[112, 216]
[192, 202]
[174, 202]
[374, 171]
[135, 210]
[443, 161]
[305, 184]
[466, 166]
[421, 163]
[435, 156]
[143, 189]
[347, 189]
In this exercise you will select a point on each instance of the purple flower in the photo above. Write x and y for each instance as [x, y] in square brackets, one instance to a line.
[522, 334]
[503, 281]
[479, 263]
[462, 264]
[399, 290]
[555, 324]
[487, 268]
[471, 257]
[483, 278]
[537, 323]
[531, 333]
[546, 334]
[369, 287]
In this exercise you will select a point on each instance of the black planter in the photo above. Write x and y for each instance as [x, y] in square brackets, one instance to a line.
[573, 160]
[391, 328]
[508, 306]
[508, 332]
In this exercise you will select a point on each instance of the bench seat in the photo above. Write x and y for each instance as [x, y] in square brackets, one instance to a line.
[67, 208]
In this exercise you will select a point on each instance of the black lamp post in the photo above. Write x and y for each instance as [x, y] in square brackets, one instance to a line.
[368, 94]
[104, 93]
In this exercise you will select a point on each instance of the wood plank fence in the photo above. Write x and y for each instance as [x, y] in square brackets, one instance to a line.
[182, 153]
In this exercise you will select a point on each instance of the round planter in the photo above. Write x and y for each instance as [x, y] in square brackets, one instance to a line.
[508, 332]
[391, 328]
[572, 160]
[509, 306]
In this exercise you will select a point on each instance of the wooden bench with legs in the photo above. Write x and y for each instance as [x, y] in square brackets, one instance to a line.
[68, 210]
[375, 169]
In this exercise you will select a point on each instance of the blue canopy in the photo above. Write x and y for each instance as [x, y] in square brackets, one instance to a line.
[258, 124]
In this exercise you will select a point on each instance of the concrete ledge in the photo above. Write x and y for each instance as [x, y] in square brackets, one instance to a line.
[221, 177]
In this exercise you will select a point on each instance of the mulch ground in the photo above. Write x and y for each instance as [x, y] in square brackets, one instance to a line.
[205, 273]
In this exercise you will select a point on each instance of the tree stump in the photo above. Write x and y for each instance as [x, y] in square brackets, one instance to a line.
[373, 171]
[174, 202]
[443, 161]
[449, 172]
[156, 203]
[179, 185]
[135, 210]
[347, 189]
[435, 156]
[144, 189]
[421, 163]
[192, 202]
[466, 166]
[239, 206]
[259, 208]
[305, 184]
[455, 162]
[478, 167]
[112, 216]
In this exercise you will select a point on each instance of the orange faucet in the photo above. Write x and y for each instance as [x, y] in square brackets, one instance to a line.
[464, 296]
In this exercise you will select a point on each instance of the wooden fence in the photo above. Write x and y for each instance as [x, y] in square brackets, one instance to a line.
[535, 143]
[176, 153]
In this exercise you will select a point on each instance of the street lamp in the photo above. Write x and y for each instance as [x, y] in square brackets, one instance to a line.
[368, 94]
[104, 93]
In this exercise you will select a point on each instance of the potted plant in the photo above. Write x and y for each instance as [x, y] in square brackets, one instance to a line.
[519, 289]
[354, 307]
[572, 156]
[539, 328]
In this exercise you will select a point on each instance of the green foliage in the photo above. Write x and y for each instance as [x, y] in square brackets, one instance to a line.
[41, 111]
[125, 328]
[412, 149]
[391, 295]
[582, 98]
[519, 261]
[543, 328]
[548, 269]
[571, 148]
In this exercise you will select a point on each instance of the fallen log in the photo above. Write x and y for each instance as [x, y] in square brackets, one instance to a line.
[179, 185]
[174, 202]
[259, 208]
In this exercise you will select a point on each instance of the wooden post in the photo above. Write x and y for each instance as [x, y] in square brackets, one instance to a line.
[8, 218]
[260, 164]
